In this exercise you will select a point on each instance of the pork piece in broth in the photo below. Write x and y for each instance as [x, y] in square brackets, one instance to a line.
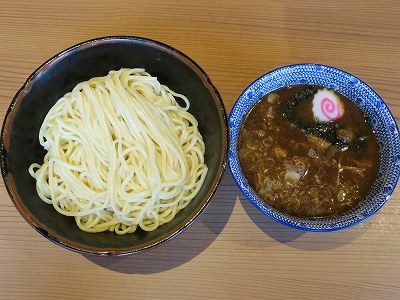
[308, 151]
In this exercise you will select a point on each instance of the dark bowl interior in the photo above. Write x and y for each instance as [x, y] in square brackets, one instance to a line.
[20, 145]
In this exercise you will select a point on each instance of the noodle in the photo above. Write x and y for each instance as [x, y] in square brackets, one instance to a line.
[122, 153]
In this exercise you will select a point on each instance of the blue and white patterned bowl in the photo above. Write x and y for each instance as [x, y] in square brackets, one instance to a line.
[360, 93]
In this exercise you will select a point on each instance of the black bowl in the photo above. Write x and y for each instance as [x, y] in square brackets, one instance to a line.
[20, 145]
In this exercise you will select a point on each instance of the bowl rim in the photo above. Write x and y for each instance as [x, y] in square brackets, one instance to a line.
[255, 199]
[186, 222]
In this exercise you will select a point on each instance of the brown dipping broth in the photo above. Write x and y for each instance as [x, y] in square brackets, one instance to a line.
[299, 173]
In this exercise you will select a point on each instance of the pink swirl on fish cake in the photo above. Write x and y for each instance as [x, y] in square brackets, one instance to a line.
[327, 106]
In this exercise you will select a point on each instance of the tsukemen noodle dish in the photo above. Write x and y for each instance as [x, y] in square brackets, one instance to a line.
[123, 153]
[308, 151]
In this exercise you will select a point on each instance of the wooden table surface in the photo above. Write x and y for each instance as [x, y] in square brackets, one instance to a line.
[232, 251]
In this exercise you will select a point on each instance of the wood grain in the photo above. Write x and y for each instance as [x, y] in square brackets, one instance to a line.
[232, 251]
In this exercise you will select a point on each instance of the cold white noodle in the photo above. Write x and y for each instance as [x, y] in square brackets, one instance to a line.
[122, 153]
